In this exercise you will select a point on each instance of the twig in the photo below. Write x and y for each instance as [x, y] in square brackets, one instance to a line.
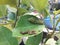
[16, 16]
[50, 35]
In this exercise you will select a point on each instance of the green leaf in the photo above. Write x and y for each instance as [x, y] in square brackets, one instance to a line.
[6, 37]
[3, 10]
[8, 2]
[58, 42]
[26, 2]
[58, 21]
[24, 21]
[46, 13]
[35, 40]
[58, 35]
[23, 25]
[11, 16]
[39, 5]
[22, 11]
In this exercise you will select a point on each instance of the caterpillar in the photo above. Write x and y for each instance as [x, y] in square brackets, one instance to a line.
[28, 32]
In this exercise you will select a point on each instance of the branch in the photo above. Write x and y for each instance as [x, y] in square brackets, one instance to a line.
[50, 35]
[18, 4]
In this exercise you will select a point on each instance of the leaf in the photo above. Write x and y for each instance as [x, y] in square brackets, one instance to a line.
[11, 9]
[26, 2]
[22, 11]
[11, 16]
[24, 26]
[56, 12]
[35, 40]
[50, 41]
[58, 21]
[24, 21]
[39, 5]
[8, 2]
[46, 13]
[6, 37]
[58, 35]
[58, 42]
[3, 10]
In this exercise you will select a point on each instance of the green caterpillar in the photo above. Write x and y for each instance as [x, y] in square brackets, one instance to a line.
[35, 21]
